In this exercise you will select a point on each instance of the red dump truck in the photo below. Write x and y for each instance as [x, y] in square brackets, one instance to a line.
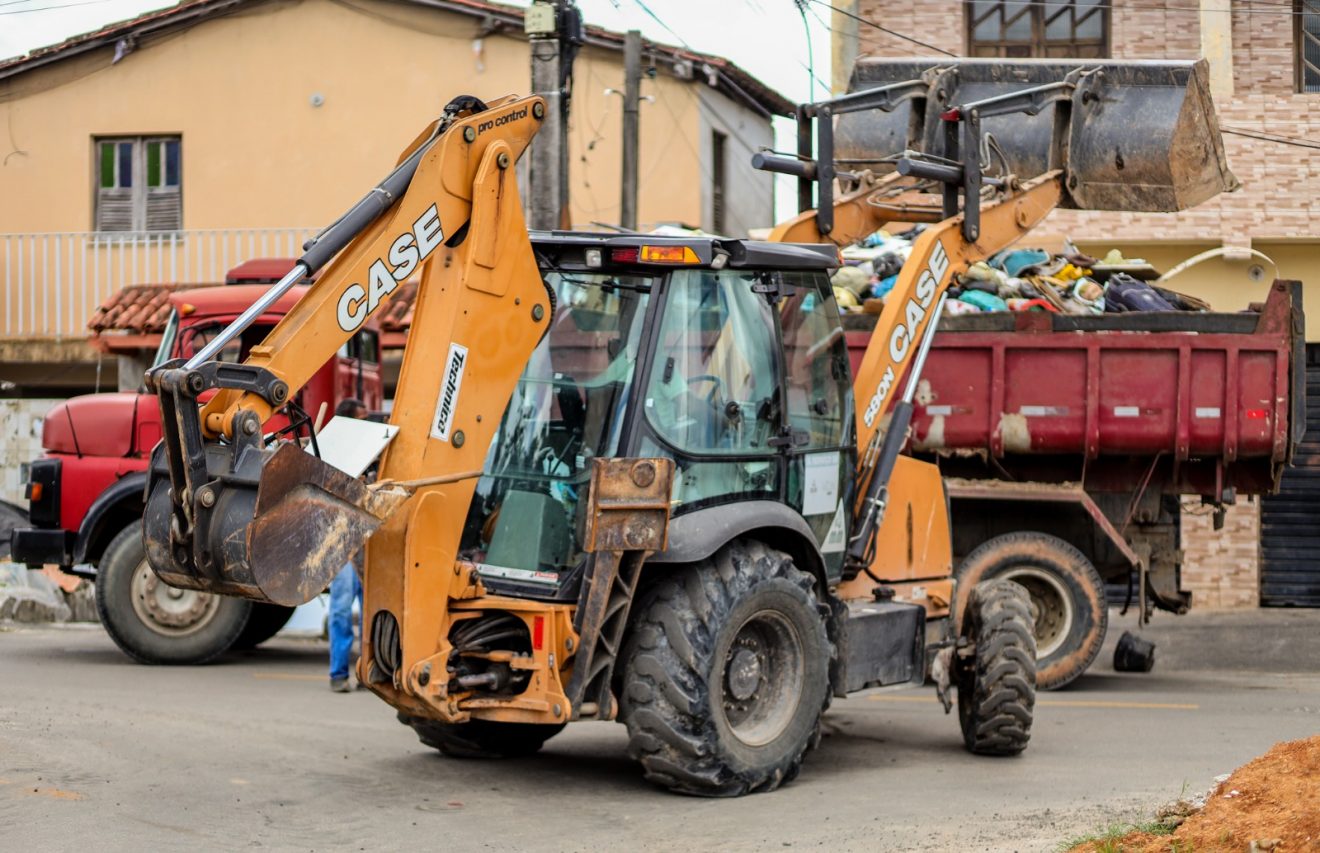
[1068, 443]
[85, 494]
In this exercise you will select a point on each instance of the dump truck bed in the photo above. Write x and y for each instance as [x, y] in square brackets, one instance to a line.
[1190, 403]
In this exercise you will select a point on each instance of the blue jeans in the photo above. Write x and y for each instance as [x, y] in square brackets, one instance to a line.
[344, 590]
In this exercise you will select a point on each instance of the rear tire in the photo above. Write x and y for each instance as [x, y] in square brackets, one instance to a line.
[1070, 615]
[726, 674]
[997, 687]
[482, 738]
[264, 622]
[154, 623]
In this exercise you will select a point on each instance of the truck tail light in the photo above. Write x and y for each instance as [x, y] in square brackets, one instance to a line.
[43, 493]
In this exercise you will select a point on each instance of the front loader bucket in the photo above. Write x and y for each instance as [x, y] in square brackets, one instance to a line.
[1142, 136]
[278, 531]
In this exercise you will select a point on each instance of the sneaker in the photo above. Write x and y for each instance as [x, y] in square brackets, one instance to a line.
[340, 685]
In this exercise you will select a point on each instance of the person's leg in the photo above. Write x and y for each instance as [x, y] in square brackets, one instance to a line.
[343, 589]
[357, 596]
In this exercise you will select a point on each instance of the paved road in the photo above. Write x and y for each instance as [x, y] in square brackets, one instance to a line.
[98, 753]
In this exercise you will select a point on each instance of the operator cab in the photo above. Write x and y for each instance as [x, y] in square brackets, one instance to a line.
[726, 356]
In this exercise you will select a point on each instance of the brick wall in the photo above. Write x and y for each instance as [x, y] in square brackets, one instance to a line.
[1221, 568]
[1278, 199]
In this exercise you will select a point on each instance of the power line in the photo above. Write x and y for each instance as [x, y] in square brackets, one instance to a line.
[1277, 138]
[893, 33]
[647, 9]
[53, 8]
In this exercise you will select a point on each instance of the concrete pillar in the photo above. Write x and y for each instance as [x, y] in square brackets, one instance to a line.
[1217, 47]
[131, 369]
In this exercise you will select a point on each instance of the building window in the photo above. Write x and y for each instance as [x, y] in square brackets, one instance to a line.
[1061, 28]
[1306, 38]
[139, 184]
[717, 181]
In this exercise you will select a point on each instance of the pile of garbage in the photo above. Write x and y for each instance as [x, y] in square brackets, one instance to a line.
[1016, 279]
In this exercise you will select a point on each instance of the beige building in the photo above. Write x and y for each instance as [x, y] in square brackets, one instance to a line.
[172, 146]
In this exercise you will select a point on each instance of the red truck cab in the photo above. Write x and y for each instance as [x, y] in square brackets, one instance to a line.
[87, 489]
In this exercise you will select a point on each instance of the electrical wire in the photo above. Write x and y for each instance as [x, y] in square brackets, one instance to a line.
[647, 9]
[893, 33]
[811, 54]
[56, 7]
[1266, 136]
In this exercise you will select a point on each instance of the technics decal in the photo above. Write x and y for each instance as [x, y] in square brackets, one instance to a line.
[448, 402]
[907, 332]
[407, 252]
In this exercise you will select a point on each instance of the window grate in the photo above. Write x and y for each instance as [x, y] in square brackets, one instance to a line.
[1059, 29]
[1306, 38]
[139, 184]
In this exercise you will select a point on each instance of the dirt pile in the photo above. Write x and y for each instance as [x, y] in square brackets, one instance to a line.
[1270, 803]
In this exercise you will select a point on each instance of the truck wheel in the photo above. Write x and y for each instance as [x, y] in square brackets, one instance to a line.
[997, 686]
[264, 622]
[1067, 599]
[482, 738]
[726, 674]
[157, 624]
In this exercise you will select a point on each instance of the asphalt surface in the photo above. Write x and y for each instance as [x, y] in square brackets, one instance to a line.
[255, 752]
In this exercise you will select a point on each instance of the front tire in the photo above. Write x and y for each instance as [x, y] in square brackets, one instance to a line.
[997, 686]
[482, 738]
[264, 622]
[726, 674]
[157, 624]
[1070, 616]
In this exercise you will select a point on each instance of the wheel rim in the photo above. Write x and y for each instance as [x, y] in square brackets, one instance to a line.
[1051, 607]
[763, 677]
[167, 610]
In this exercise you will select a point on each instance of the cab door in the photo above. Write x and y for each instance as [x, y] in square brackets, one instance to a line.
[817, 437]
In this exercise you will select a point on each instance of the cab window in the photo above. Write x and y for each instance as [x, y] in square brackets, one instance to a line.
[817, 375]
[714, 379]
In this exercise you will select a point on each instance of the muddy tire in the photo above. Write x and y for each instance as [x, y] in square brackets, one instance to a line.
[264, 622]
[726, 674]
[482, 738]
[157, 624]
[997, 686]
[1069, 612]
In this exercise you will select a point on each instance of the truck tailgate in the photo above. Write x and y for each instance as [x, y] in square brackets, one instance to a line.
[1210, 400]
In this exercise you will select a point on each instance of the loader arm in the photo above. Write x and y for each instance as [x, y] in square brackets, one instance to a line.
[984, 155]
[228, 514]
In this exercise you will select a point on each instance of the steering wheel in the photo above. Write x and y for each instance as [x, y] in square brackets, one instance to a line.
[716, 385]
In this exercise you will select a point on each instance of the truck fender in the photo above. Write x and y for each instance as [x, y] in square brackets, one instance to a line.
[108, 514]
[696, 535]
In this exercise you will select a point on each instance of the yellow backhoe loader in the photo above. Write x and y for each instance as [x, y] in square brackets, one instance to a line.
[629, 479]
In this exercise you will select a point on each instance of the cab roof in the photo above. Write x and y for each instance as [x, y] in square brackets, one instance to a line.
[232, 299]
[567, 249]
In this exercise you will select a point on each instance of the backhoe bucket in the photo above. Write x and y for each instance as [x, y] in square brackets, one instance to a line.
[277, 532]
[1140, 136]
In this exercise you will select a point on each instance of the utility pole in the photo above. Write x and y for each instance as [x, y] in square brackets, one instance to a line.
[554, 30]
[632, 90]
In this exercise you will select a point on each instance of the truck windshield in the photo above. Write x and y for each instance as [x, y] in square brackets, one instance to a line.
[567, 408]
[166, 348]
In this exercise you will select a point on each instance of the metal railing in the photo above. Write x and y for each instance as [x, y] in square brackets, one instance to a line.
[52, 283]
